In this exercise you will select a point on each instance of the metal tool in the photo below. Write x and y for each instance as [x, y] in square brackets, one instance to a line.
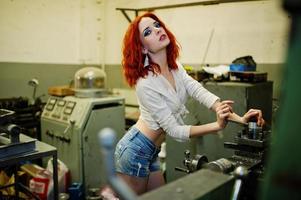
[201, 162]
[11, 142]
[254, 131]
[7, 127]
[192, 164]
[240, 173]
[106, 139]
[13, 131]
[221, 165]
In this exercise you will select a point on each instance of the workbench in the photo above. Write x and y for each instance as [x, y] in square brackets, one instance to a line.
[42, 150]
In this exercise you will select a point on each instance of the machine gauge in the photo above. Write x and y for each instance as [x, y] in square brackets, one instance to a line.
[70, 104]
[61, 103]
[51, 104]
[68, 111]
[69, 107]
[52, 101]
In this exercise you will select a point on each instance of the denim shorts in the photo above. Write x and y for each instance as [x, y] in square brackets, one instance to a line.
[136, 155]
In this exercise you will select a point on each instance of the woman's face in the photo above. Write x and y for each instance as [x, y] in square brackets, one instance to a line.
[152, 35]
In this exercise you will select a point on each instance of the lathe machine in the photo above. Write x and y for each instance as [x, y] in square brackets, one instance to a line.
[215, 179]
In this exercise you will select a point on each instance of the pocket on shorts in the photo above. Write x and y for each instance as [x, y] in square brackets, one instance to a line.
[120, 150]
[143, 153]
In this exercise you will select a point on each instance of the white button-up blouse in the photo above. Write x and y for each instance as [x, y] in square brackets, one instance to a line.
[163, 107]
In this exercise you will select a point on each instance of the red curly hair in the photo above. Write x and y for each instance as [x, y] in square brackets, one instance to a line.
[133, 58]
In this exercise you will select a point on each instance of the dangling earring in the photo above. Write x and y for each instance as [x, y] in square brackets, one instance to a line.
[146, 61]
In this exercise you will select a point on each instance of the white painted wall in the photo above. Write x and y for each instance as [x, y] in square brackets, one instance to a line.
[257, 28]
[91, 31]
[51, 31]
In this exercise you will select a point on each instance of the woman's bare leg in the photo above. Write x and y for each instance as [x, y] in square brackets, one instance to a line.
[155, 180]
[137, 184]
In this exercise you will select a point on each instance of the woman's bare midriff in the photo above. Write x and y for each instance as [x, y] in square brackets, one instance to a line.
[156, 136]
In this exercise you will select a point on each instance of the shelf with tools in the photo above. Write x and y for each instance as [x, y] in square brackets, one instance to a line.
[41, 150]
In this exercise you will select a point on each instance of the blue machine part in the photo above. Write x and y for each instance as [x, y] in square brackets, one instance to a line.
[76, 191]
[242, 68]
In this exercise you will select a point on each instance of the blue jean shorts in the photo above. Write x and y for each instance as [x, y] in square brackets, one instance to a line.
[136, 155]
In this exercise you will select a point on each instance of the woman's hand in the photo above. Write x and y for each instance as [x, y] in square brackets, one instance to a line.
[254, 113]
[223, 110]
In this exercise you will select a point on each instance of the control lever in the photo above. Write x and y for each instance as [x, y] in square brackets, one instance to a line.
[34, 83]
[240, 173]
[70, 126]
[106, 139]
[182, 170]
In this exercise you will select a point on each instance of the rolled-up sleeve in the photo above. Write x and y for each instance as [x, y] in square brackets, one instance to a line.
[153, 103]
[196, 90]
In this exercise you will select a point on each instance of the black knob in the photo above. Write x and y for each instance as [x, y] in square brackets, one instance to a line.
[187, 153]
[253, 119]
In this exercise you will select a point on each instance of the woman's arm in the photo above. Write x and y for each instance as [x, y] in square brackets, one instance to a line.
[223, 111]
[253, 113]
[196, 131]
[236, 118]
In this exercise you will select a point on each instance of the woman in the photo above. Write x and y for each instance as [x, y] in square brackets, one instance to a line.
[162, 86]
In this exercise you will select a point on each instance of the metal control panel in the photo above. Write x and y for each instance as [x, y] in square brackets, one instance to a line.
[59, 109]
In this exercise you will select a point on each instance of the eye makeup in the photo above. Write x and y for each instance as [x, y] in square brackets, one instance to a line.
[157, 24]
[147, 31]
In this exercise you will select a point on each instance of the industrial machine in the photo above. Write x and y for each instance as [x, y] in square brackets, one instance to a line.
[234, 177]
[245, 96]
[251, 145]
[26, 115]
[71, 124]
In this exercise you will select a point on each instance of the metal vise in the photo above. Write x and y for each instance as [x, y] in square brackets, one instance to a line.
[6, 127]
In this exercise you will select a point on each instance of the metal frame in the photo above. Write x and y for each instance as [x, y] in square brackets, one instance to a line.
[42, 150]
[201, 3]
